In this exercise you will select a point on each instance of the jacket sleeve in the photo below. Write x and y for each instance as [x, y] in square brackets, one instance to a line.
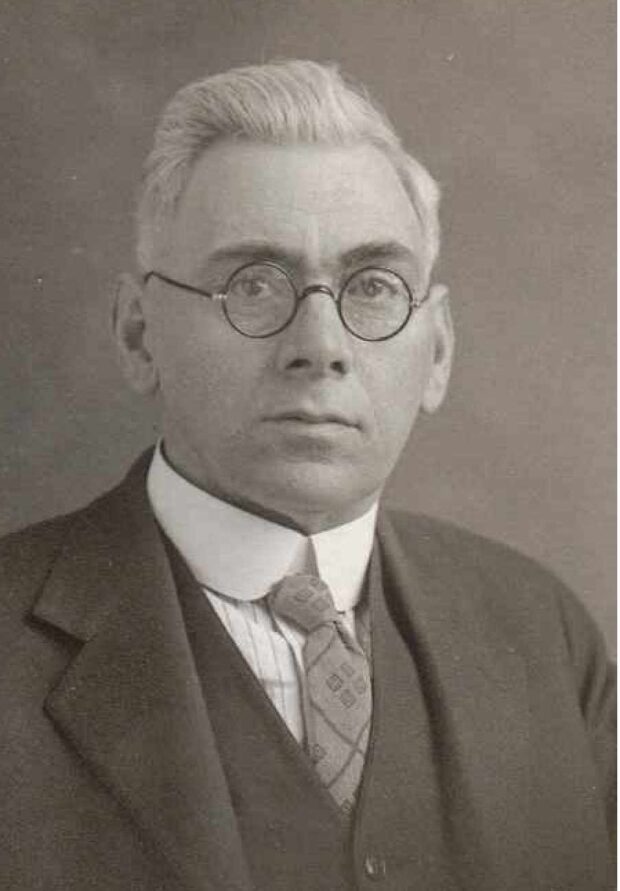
[595, 680]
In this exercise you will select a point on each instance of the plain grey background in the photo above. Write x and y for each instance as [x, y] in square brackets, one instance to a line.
[511, 105]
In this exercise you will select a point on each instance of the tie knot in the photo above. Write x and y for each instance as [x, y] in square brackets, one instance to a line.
[305, 600]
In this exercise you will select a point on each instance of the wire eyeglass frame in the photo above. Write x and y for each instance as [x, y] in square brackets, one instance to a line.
[414, 301]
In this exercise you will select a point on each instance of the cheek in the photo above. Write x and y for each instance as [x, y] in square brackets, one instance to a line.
[396, 387]
[201, 375]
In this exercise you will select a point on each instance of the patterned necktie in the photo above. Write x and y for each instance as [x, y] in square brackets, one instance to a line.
[338, 684]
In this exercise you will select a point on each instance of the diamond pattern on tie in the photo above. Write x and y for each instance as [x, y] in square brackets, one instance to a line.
[338, 684]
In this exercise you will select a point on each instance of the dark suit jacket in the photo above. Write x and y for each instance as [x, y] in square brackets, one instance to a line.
[109, 775]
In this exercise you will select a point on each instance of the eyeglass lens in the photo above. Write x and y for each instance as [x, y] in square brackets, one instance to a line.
[261, 299]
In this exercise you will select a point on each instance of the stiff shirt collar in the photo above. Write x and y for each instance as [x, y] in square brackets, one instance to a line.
[241, 555]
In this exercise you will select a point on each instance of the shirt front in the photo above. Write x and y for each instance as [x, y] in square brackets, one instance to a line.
[237, 556]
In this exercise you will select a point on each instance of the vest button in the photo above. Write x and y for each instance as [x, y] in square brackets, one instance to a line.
[375, 867]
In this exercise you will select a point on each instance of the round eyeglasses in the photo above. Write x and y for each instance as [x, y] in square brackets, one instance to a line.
[260, 300]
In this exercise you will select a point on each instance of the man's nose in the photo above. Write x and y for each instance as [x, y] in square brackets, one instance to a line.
[316, 343]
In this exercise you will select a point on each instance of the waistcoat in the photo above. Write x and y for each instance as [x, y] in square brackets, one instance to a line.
[292, 832]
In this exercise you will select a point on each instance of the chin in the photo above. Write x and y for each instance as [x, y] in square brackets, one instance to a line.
[316, 491]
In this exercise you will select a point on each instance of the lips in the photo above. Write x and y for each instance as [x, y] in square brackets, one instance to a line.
[305, 416]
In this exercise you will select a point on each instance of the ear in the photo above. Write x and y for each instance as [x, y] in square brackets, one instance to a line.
[129, 322]
[443, 334]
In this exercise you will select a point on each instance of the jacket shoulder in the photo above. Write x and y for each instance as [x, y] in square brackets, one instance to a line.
[439, 543]
[535, 608]
[433, 533]
[25, 560]
[27, 555]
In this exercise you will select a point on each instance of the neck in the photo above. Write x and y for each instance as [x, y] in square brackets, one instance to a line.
[305, 520]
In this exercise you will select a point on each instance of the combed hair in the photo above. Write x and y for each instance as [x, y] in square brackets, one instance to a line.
[280, 103]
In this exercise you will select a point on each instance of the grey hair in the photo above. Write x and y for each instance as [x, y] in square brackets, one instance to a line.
[279, 103]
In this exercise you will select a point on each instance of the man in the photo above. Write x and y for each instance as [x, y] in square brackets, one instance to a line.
[234, 671]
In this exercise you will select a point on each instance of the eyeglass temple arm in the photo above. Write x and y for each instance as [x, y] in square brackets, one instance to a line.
[213, 295]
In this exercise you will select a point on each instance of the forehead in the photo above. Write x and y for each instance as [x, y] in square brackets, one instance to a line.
[318, 202]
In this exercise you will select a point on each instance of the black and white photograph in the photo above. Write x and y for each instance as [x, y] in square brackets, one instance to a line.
[308, 399]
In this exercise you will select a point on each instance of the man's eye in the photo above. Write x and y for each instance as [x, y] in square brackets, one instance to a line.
[371, 287]
[253, 286]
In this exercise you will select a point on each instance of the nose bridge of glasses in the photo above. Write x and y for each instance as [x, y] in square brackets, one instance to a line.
[320, 289]
[326, 325]
[317, 289]
[319, 331]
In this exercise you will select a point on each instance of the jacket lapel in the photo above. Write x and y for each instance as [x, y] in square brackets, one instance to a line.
[474, 681]
[130, 702]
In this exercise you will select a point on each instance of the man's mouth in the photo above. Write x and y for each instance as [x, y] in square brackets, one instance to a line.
[313, 418]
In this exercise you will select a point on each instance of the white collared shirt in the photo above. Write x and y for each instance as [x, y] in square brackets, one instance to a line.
[237, 556]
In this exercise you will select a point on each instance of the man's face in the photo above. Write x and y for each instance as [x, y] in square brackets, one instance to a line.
[305, 425]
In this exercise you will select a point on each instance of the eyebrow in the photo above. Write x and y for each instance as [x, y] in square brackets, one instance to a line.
[367, 252]
[378, 251]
